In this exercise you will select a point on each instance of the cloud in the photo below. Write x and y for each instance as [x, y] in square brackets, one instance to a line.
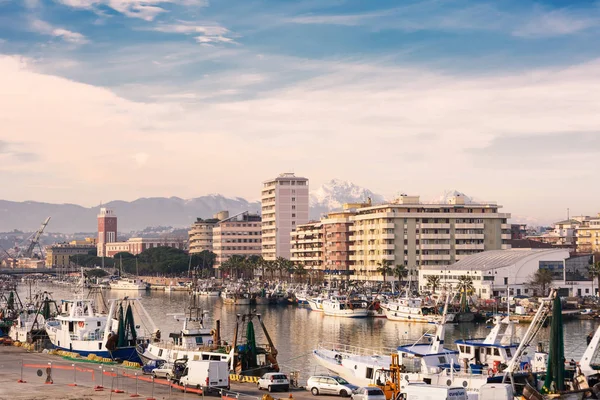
[431, 16]
[10, 152]
[556, 23]
[419, 121]
[209, 34]
[64, 34]
[143, 9]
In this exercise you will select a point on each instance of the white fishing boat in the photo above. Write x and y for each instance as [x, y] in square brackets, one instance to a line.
[316, 303]
[236, 298]
[80, 329]
[341, 306]
[128, 284]
[28, 324]
[412, 309]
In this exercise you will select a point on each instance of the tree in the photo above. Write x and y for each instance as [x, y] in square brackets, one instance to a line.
[384, 269]
[95, 273]
[540, 280]
[594, 271]
[433, 281]
[465, 284]
[401, 272]
[465, 288]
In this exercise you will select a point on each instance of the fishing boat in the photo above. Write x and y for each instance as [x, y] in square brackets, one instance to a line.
[341, 306]
[132, 284]
[30, 324]
[412, 309]
[316, 303]
[195, 340]
[237, 298]
[80, 329]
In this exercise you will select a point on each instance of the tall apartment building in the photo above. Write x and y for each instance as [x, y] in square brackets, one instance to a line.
[107, 230]
[308, 245]
[588, 236]
[284, 206]
[200, 235]
[237, 235]
[414, 234]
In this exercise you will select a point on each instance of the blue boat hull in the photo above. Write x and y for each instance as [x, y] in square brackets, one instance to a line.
[124, 354]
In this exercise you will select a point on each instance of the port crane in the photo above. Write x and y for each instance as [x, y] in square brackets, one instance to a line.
[27, 247]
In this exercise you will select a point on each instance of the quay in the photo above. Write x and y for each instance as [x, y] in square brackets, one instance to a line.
[27, 375]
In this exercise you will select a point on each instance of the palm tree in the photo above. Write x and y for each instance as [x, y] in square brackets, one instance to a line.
[433, 281]
[465, 287]
[300, 270]
[401, 272]
[384, 269]
[594, 271]
[541, 279]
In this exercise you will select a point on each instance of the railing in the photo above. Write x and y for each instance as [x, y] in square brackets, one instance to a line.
[355, 350]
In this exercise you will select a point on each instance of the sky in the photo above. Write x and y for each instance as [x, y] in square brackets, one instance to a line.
[121, 99]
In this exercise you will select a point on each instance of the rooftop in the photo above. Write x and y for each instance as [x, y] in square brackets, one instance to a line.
[493, 259]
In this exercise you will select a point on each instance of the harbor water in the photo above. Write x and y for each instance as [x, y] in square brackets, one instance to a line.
[296, 331]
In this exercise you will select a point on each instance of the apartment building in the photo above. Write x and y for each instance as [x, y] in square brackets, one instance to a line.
[588, 236]
[237, 235]
[137, 245]
[414, 234]
[200, 235]
[284, 206]
[564, 233]
[307, 245]
[59, 255]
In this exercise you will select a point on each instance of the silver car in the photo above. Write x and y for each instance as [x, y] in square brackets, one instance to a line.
[368, 393]
[329, 384]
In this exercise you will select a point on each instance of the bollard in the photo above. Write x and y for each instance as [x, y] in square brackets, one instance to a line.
[74, 376]
[136, 387]
[49, 380]
[21, 380]
[99, 388]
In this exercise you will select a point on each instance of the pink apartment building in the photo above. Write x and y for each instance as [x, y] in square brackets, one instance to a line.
[237, 235]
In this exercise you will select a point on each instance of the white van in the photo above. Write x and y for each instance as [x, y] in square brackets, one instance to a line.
[422, 391]
[208, 375]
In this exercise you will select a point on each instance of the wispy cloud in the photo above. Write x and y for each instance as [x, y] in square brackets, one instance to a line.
[556, 23]
[143, 9]
[47, 29]
[210, 34]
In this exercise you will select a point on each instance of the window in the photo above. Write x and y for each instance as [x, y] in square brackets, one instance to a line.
[293, 199]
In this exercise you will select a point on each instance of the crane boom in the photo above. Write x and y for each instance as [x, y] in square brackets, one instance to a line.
[35, 239]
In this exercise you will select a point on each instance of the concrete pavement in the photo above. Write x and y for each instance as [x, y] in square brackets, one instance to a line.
[47, 376]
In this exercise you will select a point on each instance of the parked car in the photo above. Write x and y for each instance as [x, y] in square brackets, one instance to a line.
[368, 393]
[329, 384]
[165, 371]
[152, 365]
[274, 381]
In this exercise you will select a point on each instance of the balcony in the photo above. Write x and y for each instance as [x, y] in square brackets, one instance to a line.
[468, 226]
[470, 246]
[435, 226]
[506, 236]
[471, 236]
[387, 236]
[435, 247]
[505, 226]
[387, 246]
[435, 236]
[505, 246]
[386, 226]
[433, 257]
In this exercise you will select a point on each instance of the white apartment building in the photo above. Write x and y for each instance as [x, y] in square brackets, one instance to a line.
[408, 232]
[284, 206]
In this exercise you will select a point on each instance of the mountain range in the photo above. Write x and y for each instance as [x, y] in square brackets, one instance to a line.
[177, 212]
[162, 211]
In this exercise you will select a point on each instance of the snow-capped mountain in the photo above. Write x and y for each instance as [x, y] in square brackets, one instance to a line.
[333, 194]
[449, 193]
